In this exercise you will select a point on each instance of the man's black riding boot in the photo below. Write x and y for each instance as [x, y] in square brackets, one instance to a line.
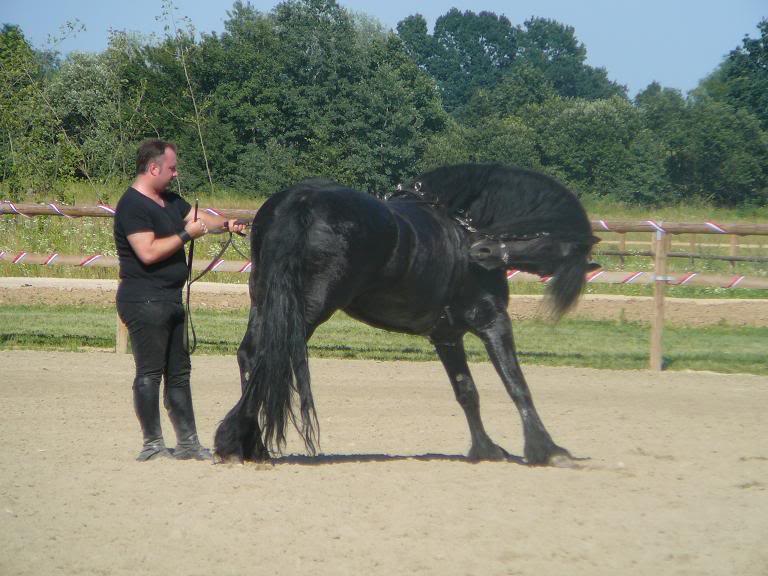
[178, 402]
[146, 403]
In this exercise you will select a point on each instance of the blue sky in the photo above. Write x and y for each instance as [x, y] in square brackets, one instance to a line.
[674, 42]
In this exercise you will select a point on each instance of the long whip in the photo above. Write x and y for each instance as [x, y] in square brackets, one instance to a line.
[188, 325]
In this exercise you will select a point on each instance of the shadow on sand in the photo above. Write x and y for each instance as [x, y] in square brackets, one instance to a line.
[362, 458]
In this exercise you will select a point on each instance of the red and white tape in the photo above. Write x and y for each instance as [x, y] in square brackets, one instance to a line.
[716, 227]
[13, 208]
[106, 208]
[90, 260]
[59, 212]
[735, 281]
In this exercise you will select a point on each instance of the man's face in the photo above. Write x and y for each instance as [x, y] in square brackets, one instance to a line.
[164, 171]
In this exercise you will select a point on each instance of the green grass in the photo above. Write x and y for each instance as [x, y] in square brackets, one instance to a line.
[596, 344]
[696, 210]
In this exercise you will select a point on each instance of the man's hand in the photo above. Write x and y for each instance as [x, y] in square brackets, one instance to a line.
[197, 228]
[235, 226]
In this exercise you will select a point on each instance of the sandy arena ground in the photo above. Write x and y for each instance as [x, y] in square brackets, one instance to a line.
[676, 484]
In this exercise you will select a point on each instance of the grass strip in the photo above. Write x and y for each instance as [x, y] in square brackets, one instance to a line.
[586, 343]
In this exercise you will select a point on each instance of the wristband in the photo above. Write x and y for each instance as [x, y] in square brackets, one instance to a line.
[185, 237]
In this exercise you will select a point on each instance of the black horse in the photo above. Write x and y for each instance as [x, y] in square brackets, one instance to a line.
[429, 260]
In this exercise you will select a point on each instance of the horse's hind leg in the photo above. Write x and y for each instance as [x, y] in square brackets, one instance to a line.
[454, 359]
[246, 353]
[253, 447]
[497, 337]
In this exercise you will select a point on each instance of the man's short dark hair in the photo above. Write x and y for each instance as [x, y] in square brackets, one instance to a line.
[151, 151]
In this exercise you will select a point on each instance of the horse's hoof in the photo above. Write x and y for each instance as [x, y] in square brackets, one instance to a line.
[231, 459]
[549, 455]
[563, 460]
[493, 452]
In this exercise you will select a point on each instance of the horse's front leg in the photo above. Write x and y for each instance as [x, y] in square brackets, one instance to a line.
[450, 349]
[540, 449]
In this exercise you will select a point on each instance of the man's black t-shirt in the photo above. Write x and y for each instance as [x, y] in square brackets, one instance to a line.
[162, 280]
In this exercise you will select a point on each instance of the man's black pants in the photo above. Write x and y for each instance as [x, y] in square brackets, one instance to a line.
[157, 338]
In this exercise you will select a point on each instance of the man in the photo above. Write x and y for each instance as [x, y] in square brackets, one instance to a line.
[151, 227]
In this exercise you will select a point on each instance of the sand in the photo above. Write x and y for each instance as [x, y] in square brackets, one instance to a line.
[676, 483]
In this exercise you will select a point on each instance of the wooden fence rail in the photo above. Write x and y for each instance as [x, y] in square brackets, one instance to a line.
[617, 226]
[687, 255]
[621, 277]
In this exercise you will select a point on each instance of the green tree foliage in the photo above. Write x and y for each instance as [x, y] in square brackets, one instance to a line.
[742, 78]
[713, 151]
[466, 51]
[599, 146]
[310, 89]
[505, 140]
[553, 48]
[522, 85]
[33, 154]
[471, 52]
[98, 109]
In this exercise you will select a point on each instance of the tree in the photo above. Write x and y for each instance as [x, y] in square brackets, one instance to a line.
[504, 140]
[521, 86]
[33, 153]
[472, 53]
[713, 151]
[467, 51]
[98, 110]
[742, 79]
[309, 89]
[600, 147]
[722, 156]
[553, 48]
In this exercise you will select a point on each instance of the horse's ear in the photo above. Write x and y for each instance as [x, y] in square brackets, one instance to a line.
[592, 266]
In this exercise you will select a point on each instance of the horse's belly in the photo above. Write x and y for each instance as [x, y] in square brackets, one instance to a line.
[393, 314]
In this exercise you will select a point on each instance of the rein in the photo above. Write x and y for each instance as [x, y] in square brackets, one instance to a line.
[190, 327]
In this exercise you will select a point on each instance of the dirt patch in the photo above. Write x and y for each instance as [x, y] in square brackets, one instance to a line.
[679, 311]
[675, 484]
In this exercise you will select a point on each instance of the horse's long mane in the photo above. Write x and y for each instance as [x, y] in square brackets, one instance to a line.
[506, 201]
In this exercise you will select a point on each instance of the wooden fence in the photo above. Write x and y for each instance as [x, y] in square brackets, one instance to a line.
[660, 252]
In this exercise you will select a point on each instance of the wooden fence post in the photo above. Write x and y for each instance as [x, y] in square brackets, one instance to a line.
[692, 248]
[734, 249]
[121, 337]
[622, 247]
[661, 246]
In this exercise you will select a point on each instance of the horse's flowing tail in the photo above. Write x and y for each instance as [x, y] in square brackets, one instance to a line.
[280, 370]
